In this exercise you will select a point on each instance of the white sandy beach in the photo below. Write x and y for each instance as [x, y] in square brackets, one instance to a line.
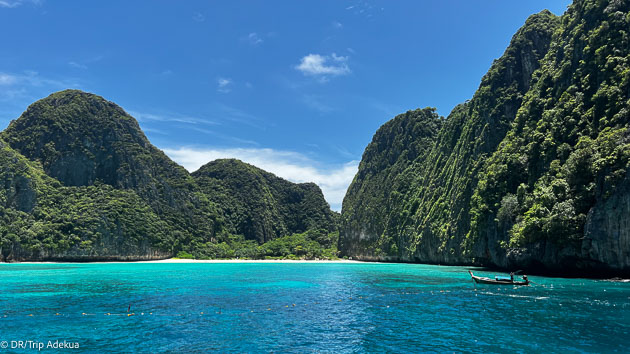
[180, 260]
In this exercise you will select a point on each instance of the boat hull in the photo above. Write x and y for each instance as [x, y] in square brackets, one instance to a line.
[484, 280]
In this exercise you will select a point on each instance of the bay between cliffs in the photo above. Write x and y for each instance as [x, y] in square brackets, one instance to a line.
[288, 306]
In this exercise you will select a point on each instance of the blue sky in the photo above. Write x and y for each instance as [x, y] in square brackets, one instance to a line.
[295, 87]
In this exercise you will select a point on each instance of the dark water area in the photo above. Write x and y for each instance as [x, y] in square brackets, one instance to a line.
[256, 307]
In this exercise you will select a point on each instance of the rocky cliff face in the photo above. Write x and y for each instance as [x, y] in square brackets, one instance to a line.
[607, 231]
[372, 201]
[529, 173]
[429, 190]
[17, 180]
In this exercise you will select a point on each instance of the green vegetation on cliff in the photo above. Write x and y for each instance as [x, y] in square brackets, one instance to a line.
[261, 206]
[82, 182]
[568, 146]
[373, 199]
[81, 139]
[512, 175]
[43, 219]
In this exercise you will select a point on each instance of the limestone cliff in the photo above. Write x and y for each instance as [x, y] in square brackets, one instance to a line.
[81, 182]
[530, 173]
[261, 206]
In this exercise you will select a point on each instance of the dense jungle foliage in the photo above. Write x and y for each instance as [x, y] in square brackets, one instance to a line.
[260, 205]
[544, 139]
[81, 181]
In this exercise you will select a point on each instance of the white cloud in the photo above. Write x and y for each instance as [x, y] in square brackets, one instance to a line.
[77, 65]
[15, 3]
[364, 9]
[338, 58]
[254, 39]
[337, 25]
[293, 166]
[6, 79]
[169, 117]
[10, 4]
[224, 85]
[323, 66]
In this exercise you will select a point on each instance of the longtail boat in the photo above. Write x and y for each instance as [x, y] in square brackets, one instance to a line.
[499, 280]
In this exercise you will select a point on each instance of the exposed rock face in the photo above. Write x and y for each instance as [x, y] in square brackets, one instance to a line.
[530, 173]
[107, 249]
[607, 232]
[16, 180]
[373, 198]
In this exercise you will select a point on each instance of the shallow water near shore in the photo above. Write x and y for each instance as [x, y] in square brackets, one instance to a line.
[287, 307]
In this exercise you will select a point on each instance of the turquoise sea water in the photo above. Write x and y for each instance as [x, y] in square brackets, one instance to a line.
[305, 308]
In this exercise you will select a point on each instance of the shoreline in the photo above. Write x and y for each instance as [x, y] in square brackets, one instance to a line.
[190, 261]
[183, 260]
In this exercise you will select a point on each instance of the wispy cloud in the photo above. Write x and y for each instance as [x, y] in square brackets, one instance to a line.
[323, 66]
[30, 85]
[254, 39]
[83, 63]
[10, 4]
[154, 131]
[343, 151]
[233, 114]
[337, 25]
[317, 103]
[7, 79]
[224, 137]
[364, 8]
[224, 85]
[15, 3]
[217, 114]
[169, 117]
[20, 89]
[293, 166]
[74, 64]
[33, 78]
